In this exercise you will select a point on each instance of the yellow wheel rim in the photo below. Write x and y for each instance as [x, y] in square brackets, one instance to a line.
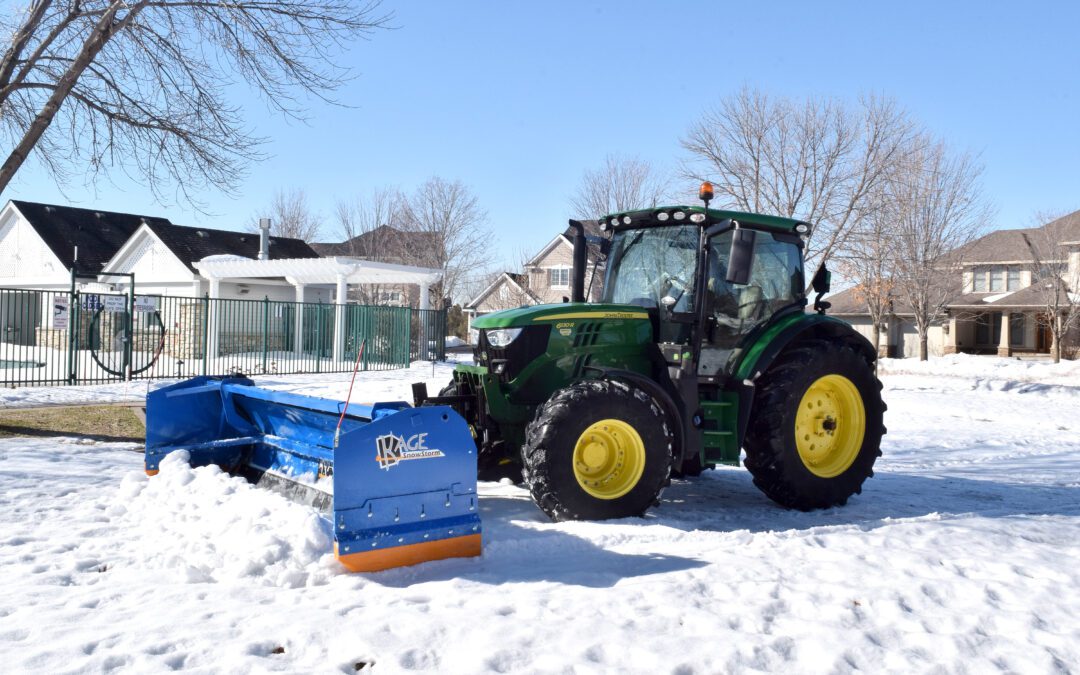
[830, 426]
[609, 458]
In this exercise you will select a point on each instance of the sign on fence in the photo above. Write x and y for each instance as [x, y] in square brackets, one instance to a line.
[91, 302]
[61, 312]
[145, 303]
[115, 303]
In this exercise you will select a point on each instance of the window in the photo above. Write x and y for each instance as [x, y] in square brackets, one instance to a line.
[776, 281]
[559, 278]
[1017, 328]
[997, 279]
[979, 279]
[1013, 281]
[389, 298]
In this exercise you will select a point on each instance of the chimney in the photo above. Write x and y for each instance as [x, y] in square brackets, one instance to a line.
[264, 238]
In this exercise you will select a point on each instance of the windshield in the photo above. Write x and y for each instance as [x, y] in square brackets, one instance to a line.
[653, 263]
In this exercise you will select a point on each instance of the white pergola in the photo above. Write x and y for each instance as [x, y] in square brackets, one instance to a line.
[303, 272]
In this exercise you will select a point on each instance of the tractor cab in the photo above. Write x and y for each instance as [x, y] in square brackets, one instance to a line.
[677, 264]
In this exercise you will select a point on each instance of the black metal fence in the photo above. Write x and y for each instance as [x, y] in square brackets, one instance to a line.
[60, 337]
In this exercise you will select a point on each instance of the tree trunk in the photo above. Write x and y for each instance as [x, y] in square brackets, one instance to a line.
[103, 31]
[877, 337]
[923, 350]
[1057, 348]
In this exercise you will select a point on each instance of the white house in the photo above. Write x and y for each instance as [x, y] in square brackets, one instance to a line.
[40, 245]
[48, 248]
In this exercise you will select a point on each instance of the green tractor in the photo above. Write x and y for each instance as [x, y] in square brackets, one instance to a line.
[701, 346]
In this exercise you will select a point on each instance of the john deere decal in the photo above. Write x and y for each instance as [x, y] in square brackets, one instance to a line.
[393, 449]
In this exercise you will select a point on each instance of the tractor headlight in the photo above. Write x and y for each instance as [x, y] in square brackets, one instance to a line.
[502, 337]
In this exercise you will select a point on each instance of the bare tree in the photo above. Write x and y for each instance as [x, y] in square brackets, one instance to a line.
[1056, 282]
[867, 259]
[359, 220]
[620, 184]
[290, 216]
[139, 86]
[460, 239]
[362, 215]
[935, 207]
[817, 160]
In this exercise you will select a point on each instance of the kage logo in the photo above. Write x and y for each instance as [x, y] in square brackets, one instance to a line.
[395, 449]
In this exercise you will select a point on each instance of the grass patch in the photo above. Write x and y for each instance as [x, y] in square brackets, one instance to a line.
[103, 423]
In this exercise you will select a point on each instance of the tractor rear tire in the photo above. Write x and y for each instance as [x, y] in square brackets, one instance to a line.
[491, 463]
[598, 449]
[816, 426]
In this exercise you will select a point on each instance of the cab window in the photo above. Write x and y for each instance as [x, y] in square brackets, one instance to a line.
[734, 310]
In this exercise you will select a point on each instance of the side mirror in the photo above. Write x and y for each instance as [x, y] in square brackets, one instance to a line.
[741, 257]
[821, 283]
[822, 280]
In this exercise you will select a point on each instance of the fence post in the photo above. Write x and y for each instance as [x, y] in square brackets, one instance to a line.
[205, 332]
[129, 342]
[266, 329]
[73, 336]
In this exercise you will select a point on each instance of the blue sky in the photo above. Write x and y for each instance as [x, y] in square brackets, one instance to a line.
[518, 99]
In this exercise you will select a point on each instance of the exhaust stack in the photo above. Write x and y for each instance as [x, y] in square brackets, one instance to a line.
[581, 261]
[264, 238]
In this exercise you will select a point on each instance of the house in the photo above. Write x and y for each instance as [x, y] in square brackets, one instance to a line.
[545, 279]
[387, 244]
[208, 291]
[40, 245]
[998, 305]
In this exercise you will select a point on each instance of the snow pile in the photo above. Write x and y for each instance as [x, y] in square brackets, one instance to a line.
[116, 392]
[455, 341]
[210, 526]
[986, 367]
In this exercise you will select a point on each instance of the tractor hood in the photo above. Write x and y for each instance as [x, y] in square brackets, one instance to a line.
[566, 311]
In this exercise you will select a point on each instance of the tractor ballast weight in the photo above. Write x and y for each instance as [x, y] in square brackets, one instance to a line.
[400, 482]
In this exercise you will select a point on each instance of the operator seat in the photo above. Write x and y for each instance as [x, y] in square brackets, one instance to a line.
[752, 304]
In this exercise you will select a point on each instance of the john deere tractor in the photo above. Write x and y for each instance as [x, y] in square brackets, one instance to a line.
[700, 346]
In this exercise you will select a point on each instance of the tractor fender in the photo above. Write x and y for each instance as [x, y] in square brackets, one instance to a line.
[793, 328]
[786, 332]
[659, 394]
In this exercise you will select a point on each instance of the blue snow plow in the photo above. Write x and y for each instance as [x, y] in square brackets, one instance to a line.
[399, 481]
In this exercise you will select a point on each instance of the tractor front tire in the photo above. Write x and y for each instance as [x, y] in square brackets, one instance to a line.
[597, 449]
[816, 426]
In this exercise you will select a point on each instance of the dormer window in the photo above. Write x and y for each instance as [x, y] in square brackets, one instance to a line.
[979, 280]
[1012, 283]
[997, 279]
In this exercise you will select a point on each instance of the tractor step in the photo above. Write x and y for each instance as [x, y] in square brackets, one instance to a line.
[719, 442]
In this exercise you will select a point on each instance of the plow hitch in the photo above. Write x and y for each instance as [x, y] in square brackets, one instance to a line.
[398, 482]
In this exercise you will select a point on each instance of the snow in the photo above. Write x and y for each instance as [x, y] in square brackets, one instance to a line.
[961, 555]
[371, 386]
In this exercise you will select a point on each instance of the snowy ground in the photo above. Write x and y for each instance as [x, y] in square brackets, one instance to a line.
[961, 555]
